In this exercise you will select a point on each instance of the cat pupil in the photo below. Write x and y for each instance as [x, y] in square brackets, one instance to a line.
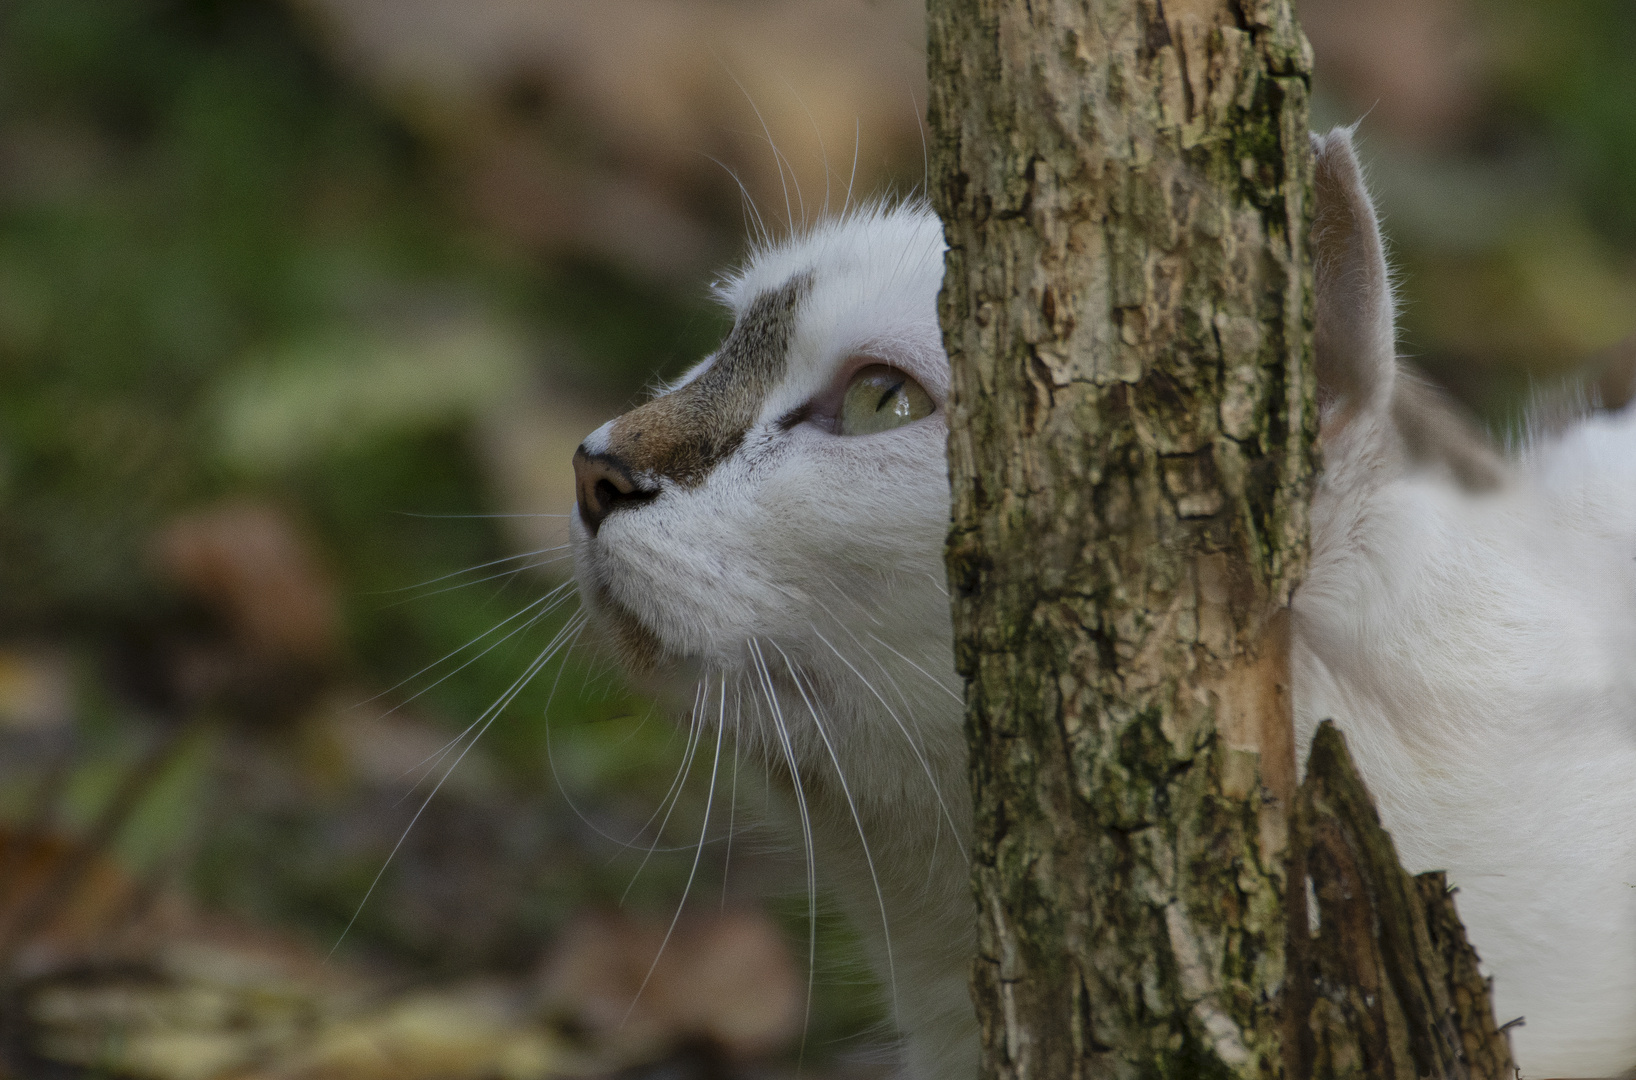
[879, 398]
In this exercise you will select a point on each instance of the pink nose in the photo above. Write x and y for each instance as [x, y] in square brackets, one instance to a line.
[603, 485]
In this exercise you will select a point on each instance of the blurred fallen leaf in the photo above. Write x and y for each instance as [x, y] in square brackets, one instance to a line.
[253, 564]
[726, 981]
[84, 913]
[36, 688]
[219, 1001]
[473, 1032]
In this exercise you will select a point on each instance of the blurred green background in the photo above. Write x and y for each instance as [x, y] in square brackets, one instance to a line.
[304, 306]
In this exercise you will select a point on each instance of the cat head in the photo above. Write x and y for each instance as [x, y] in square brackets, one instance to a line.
[789, 495]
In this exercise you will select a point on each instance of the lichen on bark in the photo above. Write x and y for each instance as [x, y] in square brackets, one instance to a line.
[1127, 310]
[1126, 307]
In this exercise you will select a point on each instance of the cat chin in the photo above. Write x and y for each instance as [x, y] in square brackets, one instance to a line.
[652, 665]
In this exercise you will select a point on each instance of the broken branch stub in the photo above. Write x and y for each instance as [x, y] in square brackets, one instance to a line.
[1386, 983]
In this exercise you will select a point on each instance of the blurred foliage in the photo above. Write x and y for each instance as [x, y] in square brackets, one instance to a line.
[259, 323]
[224, 271]
[250, 338]
[1503, 154]
[1566, 72]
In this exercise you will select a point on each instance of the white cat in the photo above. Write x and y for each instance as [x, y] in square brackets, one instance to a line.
[768, 532]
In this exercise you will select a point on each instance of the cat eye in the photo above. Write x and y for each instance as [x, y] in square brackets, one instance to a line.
[880, 398]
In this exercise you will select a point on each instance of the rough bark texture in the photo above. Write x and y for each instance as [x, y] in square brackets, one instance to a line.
[1391, 988]
[1126, 308]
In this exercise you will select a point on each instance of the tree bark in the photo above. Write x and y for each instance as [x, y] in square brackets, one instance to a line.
[1127, 313]
[1127, 309]
[1387, 986]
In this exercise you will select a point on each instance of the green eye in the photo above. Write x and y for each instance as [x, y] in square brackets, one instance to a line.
[880, 398]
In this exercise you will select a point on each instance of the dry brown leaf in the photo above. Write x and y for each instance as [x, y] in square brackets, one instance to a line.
[255, 566]
[722, 980]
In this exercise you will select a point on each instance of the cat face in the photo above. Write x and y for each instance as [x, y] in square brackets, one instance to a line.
[791, 491]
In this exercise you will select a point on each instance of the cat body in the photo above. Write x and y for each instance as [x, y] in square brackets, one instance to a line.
[770, 535]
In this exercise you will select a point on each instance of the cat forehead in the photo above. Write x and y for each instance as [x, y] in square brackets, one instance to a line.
[895, 248]
[866, 282]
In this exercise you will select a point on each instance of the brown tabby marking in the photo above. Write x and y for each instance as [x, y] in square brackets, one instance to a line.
[686, 434]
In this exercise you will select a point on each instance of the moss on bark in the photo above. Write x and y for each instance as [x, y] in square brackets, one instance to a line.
[1125, 188]
[1127, 311]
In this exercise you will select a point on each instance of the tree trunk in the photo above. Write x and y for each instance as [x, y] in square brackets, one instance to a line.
[1127, 309]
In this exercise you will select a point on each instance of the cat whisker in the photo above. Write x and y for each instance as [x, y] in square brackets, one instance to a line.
[732, 804]
[761, 233]
[847, 596]
[937, 583]
[788, 749]
[557, 777]
[489, 716]
[857, 135]
[914, 745]
[704, 831]
[673, 797]
[933, 679]
[475, 517]
[546, 599]
[778, 156]
[857, 821]
[431, 761]
[584, 818]
[823, 154]
[471, 569]
[925, 149]
[512, 573]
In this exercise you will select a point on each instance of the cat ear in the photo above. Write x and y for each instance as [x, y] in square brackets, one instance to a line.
[1355, 340]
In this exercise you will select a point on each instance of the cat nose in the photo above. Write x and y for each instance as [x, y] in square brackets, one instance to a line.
[604, 484]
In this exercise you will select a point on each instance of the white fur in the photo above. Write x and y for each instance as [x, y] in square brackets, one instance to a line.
[1479, 650]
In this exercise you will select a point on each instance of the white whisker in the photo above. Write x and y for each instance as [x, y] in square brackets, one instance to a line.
[674, 796]
[857, 135]
[492, 712]
[512, 573]
[851, 804]
[925, 150]
[933, 679]
[432, 760]
[709, 799]
[732, 804]
[914, 745]
[470, 570]
[402, 682]
[761, 233]
[788, 748]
